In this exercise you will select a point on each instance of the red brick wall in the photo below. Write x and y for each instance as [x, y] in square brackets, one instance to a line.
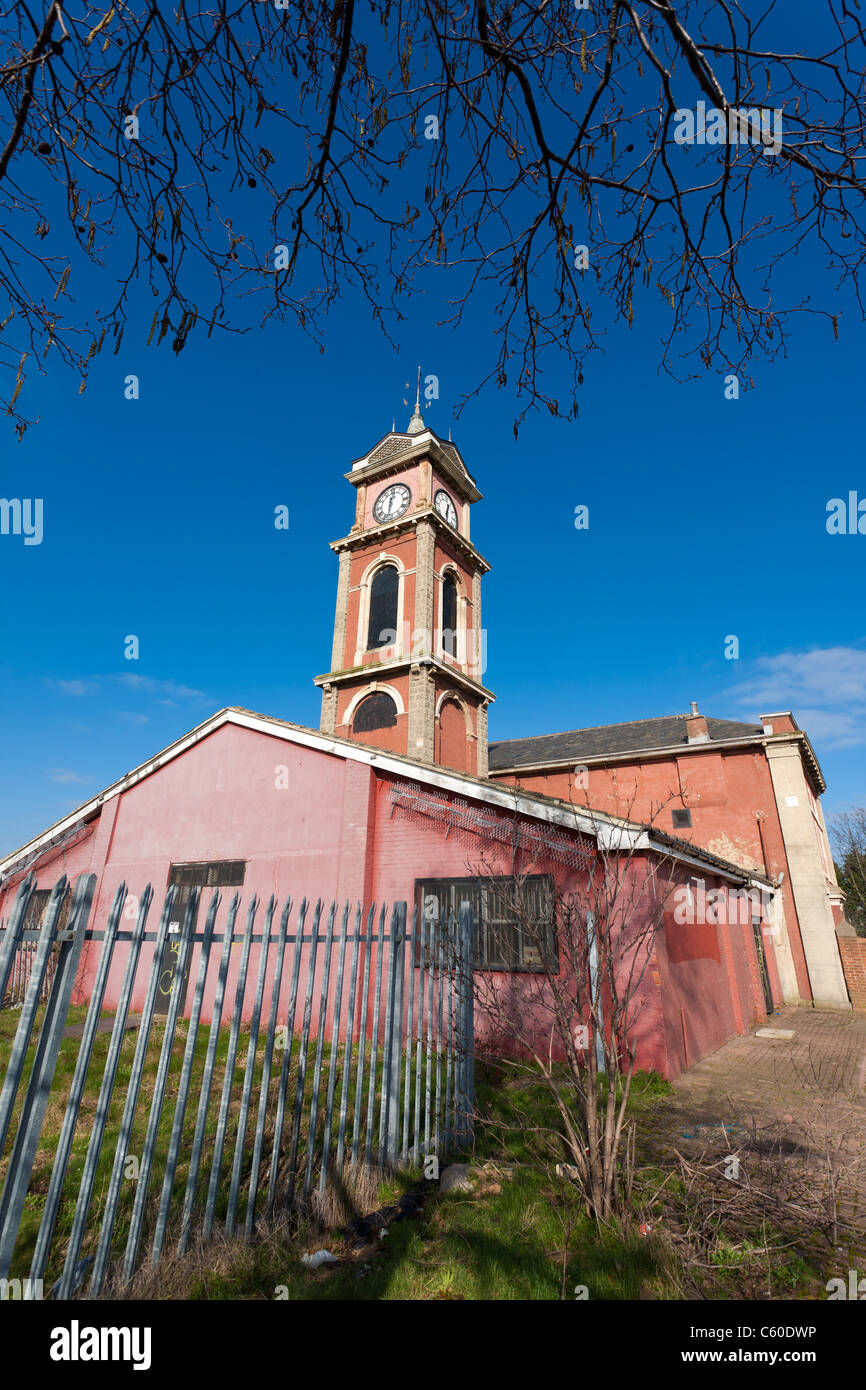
[452, 745]
[852, 949]
[723, 791]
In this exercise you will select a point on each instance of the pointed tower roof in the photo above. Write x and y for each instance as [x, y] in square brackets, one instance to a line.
[416, 424]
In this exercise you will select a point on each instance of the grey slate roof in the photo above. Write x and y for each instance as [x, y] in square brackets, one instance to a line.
[609, 740]
[391, 444]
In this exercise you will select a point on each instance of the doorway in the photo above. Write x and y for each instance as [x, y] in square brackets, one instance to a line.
[757, 933]
[218, 873]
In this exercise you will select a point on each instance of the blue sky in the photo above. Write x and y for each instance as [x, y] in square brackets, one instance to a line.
[707, 519]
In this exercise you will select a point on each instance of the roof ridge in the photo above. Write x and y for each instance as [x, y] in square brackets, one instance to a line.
[620, 724]
[588, 728]
[524, 795]
[145, 769]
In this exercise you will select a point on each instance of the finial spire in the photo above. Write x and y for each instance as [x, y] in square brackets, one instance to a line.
[416, 424]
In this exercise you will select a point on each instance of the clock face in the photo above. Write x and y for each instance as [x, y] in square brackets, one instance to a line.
[446, 508]
[392, 502]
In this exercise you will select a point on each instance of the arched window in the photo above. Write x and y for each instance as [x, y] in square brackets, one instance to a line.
[384, 592]
[449, 615]
[377, 711]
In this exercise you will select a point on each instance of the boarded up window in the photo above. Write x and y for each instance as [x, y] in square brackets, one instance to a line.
[219, 873]
[209, 873]
[514, 921]
[384, 591]
[378, 711]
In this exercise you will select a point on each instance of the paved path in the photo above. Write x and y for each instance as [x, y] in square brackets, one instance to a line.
[105, 1025]
[801, 1098]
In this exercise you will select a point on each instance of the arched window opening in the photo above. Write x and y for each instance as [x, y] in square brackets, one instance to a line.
[377, 711]
[449, 615]
[384, 593]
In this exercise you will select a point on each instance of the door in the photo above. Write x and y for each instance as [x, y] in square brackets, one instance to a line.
[762, 963]
[219, 873]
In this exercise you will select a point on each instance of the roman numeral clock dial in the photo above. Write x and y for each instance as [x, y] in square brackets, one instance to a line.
[446, 508]
[391, 503]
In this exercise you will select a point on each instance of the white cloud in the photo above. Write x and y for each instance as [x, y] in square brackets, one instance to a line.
[170, 691]
[825, 688]
[155, 687]
[65, 774]
[71, 687]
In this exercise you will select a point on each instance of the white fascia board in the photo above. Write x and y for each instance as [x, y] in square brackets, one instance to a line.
[96, 803]
[621, 837]
[608, 834]
[707, 866]
[495, 795]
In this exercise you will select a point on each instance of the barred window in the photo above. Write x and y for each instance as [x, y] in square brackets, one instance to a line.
[514, 926]
[34, 916]
[220, 873]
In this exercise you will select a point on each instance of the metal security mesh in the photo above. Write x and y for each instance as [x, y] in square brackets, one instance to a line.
[469, 822]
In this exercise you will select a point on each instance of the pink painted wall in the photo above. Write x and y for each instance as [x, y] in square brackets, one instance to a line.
[333, 833]
[71, 859]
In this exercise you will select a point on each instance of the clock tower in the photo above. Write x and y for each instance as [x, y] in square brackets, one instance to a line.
[408, 653]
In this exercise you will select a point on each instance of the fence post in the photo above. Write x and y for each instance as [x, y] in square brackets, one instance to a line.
[70, 1119]
[393, 1068]
[465, 1087]
[44, 1063]
[11, 937]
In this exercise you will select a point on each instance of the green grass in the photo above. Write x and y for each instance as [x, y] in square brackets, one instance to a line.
[45, 1155]
[493, 1244]
[508, 1245]
[511, 1238]
[505, 1240]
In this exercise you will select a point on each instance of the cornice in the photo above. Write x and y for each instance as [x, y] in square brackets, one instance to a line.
[359, 540]
[427, 445]
[405, 663]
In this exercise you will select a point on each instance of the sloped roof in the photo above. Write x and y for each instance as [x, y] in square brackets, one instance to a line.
[530, 803]
[608, 740]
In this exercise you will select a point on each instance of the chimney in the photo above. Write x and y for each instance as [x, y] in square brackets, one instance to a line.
[696, 726]
[781, 722]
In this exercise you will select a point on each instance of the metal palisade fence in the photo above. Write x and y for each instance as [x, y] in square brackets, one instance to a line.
[365, 1061]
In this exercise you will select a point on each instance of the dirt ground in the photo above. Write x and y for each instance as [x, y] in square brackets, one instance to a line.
[792, 1111]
